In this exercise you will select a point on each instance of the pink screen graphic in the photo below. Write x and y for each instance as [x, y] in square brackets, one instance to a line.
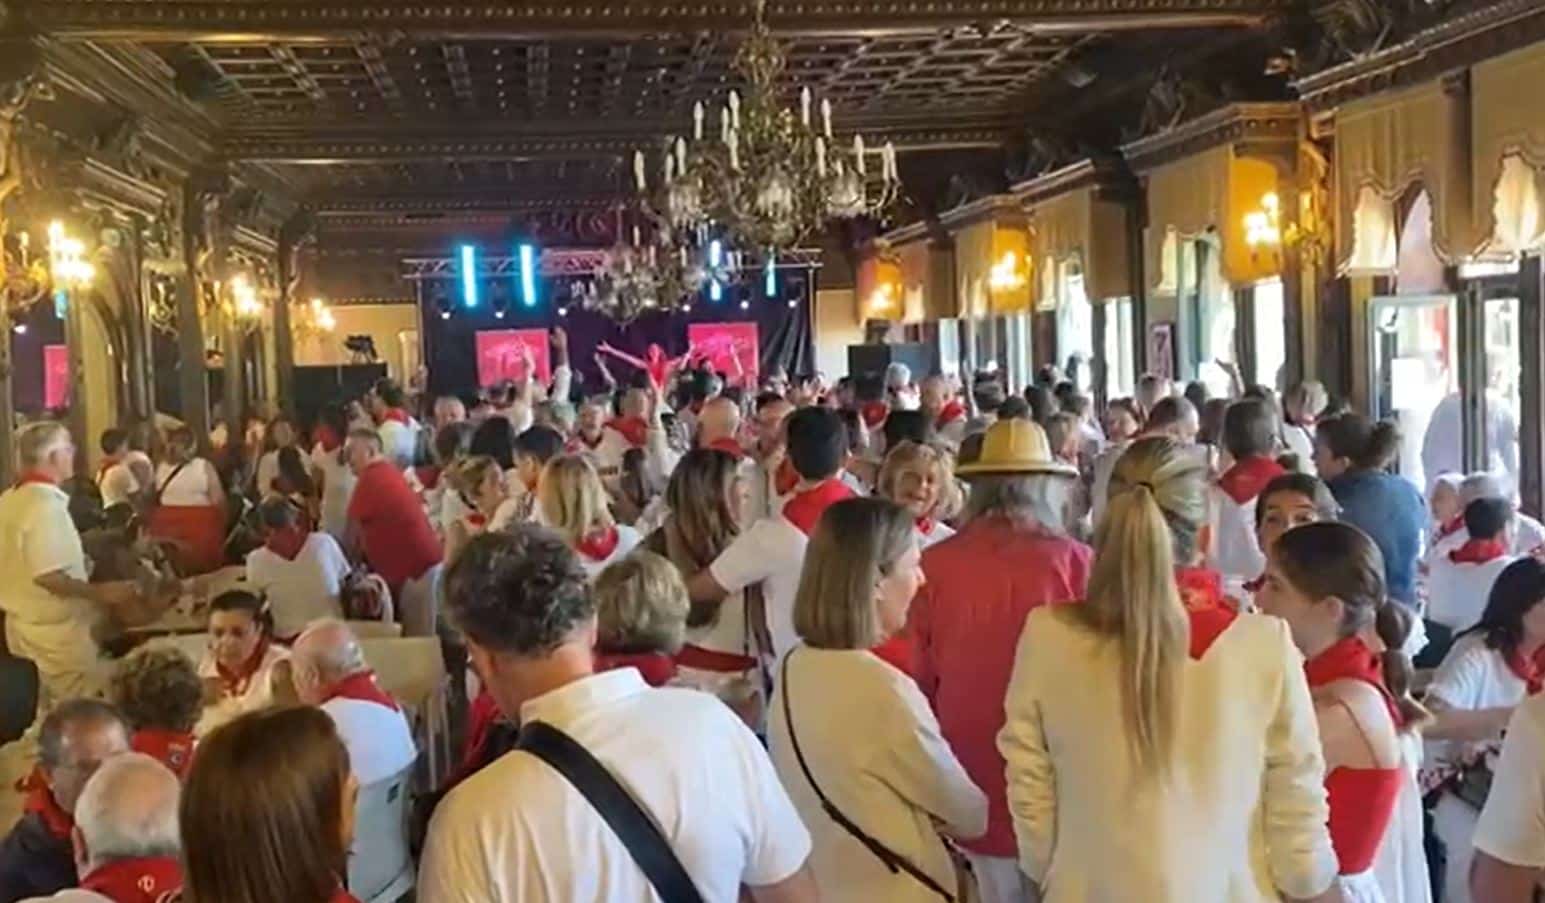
[723, 343]
[56, 376]
[499, 354]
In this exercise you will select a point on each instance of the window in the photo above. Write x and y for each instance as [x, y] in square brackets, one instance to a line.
[1270, 333]
[1120, 354]
[1075, 326]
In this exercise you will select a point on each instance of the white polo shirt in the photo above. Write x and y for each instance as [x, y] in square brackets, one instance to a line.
[1512, 826]
[771, 552]
[377, 737]
[38, 537]
[301, 590]
[1457, 591]
[518, 831]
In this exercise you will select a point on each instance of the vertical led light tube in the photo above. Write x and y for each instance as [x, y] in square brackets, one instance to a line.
[528, 275]
[770, 278]
[469, 275]
[715, 260]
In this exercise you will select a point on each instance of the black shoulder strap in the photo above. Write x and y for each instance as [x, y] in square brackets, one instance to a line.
[891, 859]
[633, 826]
[156, 499]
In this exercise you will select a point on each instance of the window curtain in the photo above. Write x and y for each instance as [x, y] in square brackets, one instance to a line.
[1508, 132]
[1213, 190]
[1080, 226]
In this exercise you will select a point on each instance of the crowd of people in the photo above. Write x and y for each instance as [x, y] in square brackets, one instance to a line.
[885, 639]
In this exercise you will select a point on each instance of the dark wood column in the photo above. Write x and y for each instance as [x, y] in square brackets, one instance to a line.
[1531, 416]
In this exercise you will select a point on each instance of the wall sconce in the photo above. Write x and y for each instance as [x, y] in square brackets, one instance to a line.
[244, 306]
[1262, 229]
[1006, 275]
[67, 259]
[882, 301]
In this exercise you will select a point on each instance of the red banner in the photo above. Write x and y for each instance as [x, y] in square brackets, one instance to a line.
[724, 343]
[56, 376]
[500, 355]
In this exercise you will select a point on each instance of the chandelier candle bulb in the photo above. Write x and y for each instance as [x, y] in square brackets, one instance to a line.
[734, 150]
[734, 111]
[804, 106]
[826, 119]
[635, 236]
[697, 121]
[820, 156]
[858, 154]
[681, 155]
[638, 170]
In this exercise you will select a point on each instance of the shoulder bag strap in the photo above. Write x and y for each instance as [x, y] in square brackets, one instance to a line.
[161, 490]
[633, 826]
[892, 860]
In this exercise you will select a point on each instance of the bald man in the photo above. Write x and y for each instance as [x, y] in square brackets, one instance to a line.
[126, 838]
[718, 426]
[330, 672]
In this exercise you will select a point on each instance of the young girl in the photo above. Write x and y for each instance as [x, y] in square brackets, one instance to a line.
[1326, 580]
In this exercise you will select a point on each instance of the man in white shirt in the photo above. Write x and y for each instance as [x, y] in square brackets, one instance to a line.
[50, 607]
[330, 673]
[116, 479]
[398, 430]
[519, 831]
[1460, 581]
[1510, 836]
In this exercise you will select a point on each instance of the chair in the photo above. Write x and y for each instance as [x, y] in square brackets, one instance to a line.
[413, 670]
[380, 864]
[375, 630]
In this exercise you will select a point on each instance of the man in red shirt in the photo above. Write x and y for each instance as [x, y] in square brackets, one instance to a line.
[1012, 556]
[389, 524]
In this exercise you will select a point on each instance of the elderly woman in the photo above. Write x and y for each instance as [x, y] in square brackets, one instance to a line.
[641, 616]
[241, 667]
[158, 690]
[873, 752]
[481, 486]
[966, 620]
[573, 502]
[188, 506]
[918, 478]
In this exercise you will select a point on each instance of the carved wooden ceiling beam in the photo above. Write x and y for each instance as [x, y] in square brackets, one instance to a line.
[243, 21]
[440, 202]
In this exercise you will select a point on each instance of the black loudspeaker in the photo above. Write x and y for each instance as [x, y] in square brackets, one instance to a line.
[867, 362]
[321, 385]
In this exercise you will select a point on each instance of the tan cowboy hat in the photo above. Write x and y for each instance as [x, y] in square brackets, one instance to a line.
[1016, 445]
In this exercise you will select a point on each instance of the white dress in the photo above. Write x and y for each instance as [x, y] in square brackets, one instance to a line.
[1400, 867]
[1242, 818]
[876, 750]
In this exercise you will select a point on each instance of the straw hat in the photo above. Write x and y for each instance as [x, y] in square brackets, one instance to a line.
[1013, 446]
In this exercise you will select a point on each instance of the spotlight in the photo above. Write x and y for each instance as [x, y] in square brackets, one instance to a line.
[793, 302]
[745, 305]
[499, 299]
[563, 311]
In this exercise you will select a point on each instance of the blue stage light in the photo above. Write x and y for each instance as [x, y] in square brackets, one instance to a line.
[770, 278]
[469, 275]
[528, 275]
[715, 260]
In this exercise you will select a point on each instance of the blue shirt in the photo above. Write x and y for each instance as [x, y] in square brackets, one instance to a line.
[1393, 513]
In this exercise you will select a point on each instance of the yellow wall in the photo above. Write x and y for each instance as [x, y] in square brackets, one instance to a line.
[386, 323]
[836, 327]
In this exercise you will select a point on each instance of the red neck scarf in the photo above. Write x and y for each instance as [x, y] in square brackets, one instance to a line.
[174, 749]
[925, 525]
[326, 437]
[1451, 526]
[361, 686]
[286, 542]
[40, 802]
[598, 545]
[657, 668]
[583, 441]
[108, 462]
[1351, 659]
[342, 896]
[1254, 586]
[35, 476]
[804, 510]
[728, 445]
[428, 476]
[874, 413]
[785, 478]
[1529, 669]
[1245, 480]
[952, 411]
[1201, 592]
[235, 683]
[136, 880]
[633, 429]
[1478, 551]
[396, 415]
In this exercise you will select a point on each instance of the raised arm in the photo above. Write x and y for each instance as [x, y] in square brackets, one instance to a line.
[607, 349]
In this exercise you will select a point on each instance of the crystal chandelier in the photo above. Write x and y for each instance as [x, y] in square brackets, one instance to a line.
[771, 178]
[658, 275]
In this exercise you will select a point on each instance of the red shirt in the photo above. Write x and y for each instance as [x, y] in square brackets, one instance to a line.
[965, 625]
[400, 545]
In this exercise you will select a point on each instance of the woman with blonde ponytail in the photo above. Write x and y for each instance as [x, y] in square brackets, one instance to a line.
[1157, 727]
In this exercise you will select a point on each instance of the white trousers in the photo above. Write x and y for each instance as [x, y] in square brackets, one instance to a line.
[999, 880]
[418, 605]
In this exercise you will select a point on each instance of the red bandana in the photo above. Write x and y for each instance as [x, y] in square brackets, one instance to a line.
[363, 687]
[107, 464]
[428, 476]
[785, 478]
[897, 652]
[633, 429]
[804, 510]
[952, 411]
[657, 668]
[874, 413]
[1351, 659]
[598, 545]
[1201, 592]
[396, 415]
[287, 542]
[40, 802]
[1451, 526]
[1245, 480]
[234, 683]
[174, 749]
[136, 880]
[343, 896]
[1478, 551]
[1530, 670]
[727, 445]
[925, 525]
[35, 476]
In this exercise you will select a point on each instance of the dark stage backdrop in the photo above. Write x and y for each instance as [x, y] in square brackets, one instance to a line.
[43, 327]
[784, 331]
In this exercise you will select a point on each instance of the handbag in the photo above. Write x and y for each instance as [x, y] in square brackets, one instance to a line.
[633, 826]
[891, 859]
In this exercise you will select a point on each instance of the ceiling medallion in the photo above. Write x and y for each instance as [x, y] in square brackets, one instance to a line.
[771, 178]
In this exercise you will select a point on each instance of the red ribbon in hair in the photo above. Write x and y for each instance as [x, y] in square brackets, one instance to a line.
[804, 510]
[598, 545]
[633, 429]
[361, 686]
[1478, 551]
[147, 880]
[1351, 659]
